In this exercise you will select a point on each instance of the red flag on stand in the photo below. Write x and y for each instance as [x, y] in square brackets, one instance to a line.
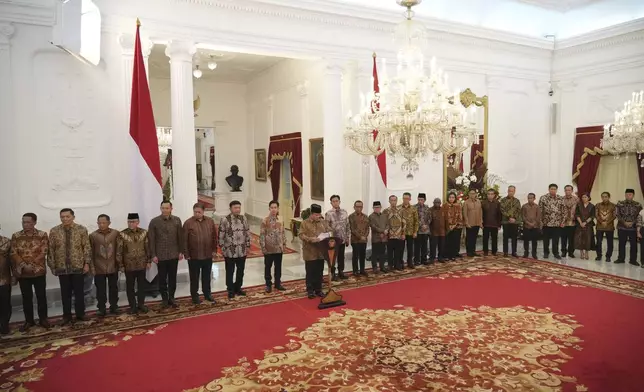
[381, 160]
[146, 164]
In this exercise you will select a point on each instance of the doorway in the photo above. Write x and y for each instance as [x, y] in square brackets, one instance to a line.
[286, 192]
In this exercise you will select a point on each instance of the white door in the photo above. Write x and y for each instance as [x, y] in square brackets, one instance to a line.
[286, 193]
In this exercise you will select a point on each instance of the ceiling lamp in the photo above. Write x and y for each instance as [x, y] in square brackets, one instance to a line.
[212, 65]
[414, 114]
[197, 72]
[626, 134]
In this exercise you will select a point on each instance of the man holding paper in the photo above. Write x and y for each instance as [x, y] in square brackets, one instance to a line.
[313, 230]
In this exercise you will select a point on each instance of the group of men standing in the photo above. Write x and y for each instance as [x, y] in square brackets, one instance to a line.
[70, 253]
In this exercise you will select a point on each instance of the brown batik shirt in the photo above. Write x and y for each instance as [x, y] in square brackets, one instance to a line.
[165, 237]
[29, 253]
[133, 245]
[5, 261]
[531, 215]
[69, 249]
[605, 215]
[454, 216]
[439, 225]
[571, 206]
[410, 215]
[272, 237]
[378, 222]
[396, 223]
[105, 253]
[359, 224]
[201, 238]
[309, 231]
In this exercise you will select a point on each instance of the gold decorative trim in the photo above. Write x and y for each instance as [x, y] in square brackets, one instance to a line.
[587, 151]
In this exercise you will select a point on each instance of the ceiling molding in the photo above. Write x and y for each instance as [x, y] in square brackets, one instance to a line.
[28, 13]
[617, 34]
[558, 5]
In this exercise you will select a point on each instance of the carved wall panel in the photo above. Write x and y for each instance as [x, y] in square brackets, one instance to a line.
[603, 101]
[73, 144]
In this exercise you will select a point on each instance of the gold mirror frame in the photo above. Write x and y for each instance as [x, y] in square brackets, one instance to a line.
[469, 98]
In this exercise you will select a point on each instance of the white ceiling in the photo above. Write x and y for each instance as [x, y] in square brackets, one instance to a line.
[535, 18]
[231, 67]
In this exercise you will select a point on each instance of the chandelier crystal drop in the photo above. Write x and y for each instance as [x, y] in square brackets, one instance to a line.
[197, 73]
[626, 134]
[415, 113]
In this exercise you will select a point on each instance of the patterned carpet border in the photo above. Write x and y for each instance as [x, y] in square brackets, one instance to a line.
[535, 270]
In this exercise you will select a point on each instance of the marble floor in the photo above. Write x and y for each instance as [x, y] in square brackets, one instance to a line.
[293, 269]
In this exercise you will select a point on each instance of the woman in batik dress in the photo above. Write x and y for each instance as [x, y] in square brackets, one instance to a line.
[584, 215]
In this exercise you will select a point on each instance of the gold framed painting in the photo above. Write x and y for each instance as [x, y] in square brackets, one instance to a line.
[316, 158]
[260, 164]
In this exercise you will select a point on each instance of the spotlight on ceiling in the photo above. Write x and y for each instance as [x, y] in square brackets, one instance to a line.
[197, 72]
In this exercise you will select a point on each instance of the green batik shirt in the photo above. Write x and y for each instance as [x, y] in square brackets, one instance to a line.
[510, 208]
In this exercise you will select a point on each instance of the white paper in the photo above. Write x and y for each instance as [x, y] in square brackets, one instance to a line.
[323, 236]
[151, 273]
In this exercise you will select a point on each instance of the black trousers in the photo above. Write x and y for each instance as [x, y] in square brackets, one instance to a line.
[551, 233]
[203, 269]
[568, 240]
[378, 255]
[420, 248]
[453, 243]
[492, 232]
[530, 237]
[235, 268]
[510, 234]
[339, 262]
[358, 257]
[138, 278]
[470, 239]
[167, 278]
[72, 284]
[395, 250]
[624, 236]
[27, 288]
[270, 260]
[409, 244]
[314, 272]
[101, 281]
[436, 247]
[5, 305]
[610, 237]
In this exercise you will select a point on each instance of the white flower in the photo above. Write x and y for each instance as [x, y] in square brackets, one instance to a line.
[459, 180]
[473, 178]
[466, 182]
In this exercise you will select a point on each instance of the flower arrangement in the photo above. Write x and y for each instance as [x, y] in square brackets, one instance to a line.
[479, 180]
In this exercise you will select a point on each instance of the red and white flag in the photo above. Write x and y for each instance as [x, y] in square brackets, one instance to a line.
[381, 160]
[145, 165]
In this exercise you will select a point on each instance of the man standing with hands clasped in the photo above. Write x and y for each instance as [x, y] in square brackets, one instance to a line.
[359, 224]
[166, 248]
[272, 240]
[105, 265]
[135, 260]
[424, 223]
[200, 235]
[338, 220]
[511, 218]
[234, 239]
[378, 222]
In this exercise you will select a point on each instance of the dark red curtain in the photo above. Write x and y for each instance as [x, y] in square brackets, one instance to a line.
[640, 170]
[476, 154]
[587, 155]
[287, 146]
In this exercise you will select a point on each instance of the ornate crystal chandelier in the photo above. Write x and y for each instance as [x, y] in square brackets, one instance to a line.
[164, 136]
[626, 134]
[414, 114]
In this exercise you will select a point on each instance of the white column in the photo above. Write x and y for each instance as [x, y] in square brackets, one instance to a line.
[363, 84]
[10, 212]
[333, 129]
[184, 161]
[303, 90]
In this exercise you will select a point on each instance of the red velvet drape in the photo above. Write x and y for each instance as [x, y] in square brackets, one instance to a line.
[287, 146]
[585, 162]
[476, 154]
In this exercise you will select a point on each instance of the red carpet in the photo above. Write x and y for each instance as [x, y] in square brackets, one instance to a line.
[255, 250]
[207, 201]
[498, 325]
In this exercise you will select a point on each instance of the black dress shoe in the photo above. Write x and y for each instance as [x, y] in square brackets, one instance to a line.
[66, 321]
[81, 318]
[241, 292]
[634, 263]
[115, 311]
[364, 273]
[515, 255]
[101, 313]
[598, 258]
[525, 255]
[231, 295]
[25, 327]
[143, 309]
[311, 295]
[557, 257]
[209, 298]
[44, 323]
[334, 278]
[132, 311]
[608, 259]
[196, 301]
[571, 255]
[534, 256]
[618, 261]
[505, 254]
[164, 304]
[268, 289]
[173, 303]
[279, 287]
[342, 276]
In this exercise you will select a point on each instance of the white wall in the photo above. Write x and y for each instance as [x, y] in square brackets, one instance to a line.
[223, 107]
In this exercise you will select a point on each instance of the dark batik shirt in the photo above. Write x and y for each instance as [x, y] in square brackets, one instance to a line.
[378, 223]
[510, 208]
[395, 223]
[359, 224]
[134, 247]
[234, 236]
[69, 249]
[626, 213]
[491, 213]
[605, 215]
[272, 237]
[553, 210]
[165, 236]
[424, 218]
[201, 238]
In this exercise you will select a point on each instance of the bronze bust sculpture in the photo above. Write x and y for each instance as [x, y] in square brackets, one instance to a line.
[234, 181]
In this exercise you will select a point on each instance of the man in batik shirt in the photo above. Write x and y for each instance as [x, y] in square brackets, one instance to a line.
[234, 239]
[553, 218]
[378, 222]
[410, 216]
[568, 231]
[359, 224]
[396, 234]
[338, 220]
[605, 226]
[200, 234]
[424, 222]
[272, 240]
[438, 232]
[531, 216]
[312, 252]
[104, 265]
[510, 220]
[473, 220]
[626, 212]
[28, 258]
[6, 281]
[135, 260]
[70, 256]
